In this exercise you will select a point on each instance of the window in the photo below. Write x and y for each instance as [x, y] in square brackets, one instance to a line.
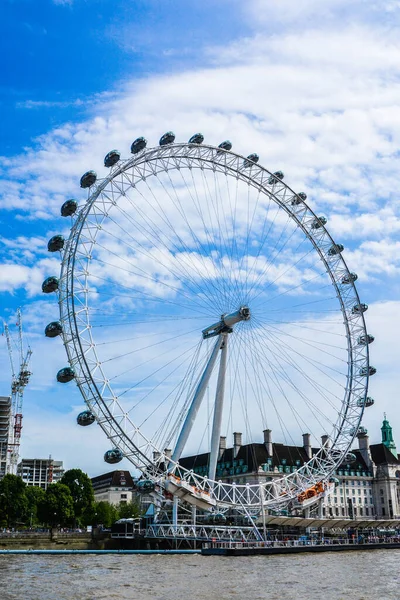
[381, 492]
[383, 511]
[366, 512]
[124, 496]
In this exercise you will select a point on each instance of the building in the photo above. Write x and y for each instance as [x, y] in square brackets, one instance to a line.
[40, 472]
[114, 487]
[369, 486]
[5, 418]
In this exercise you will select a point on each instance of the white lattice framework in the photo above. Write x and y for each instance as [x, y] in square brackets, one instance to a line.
[80, 344]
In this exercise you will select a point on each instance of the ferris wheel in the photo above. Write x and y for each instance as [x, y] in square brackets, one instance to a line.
[200, 295]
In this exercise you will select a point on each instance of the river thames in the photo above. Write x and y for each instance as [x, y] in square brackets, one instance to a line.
[329, 576]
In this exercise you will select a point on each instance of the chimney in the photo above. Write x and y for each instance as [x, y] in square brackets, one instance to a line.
[363, 444]
[168, 452]
[325, 440]
[307, 444]
[268, 441]
[222, 446]
[237, 442]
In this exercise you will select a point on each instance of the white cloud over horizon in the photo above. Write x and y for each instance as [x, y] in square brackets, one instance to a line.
[317, 97]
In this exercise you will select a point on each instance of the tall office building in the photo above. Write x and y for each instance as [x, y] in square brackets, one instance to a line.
[5, 418]
[40, 472]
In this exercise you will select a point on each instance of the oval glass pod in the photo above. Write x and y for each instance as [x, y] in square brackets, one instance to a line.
[167, 138]
[112, 158]
[53, 329]
[65, 375]
[50, 285]
[88, 179]
[55, 243]
[69, 208]
[139, 144]
[85, 418]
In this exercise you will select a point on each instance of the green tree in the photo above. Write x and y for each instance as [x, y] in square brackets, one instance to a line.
[34, 495]
[81, 490]
[57, 506]
[128, 510]
[13, 501]
[104, 514]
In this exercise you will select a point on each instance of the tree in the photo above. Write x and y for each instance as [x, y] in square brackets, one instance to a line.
[13, 501]
[128, 510]
[105, 513]
[57, 506]
[34, 495]
[81, 490]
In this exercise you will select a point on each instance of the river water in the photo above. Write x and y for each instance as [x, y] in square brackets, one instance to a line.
[368, 575]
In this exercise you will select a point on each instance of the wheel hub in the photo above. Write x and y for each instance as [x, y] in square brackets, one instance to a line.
[225, 325]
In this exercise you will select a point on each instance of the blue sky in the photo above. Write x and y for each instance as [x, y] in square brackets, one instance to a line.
[64, 53]
[314, 90]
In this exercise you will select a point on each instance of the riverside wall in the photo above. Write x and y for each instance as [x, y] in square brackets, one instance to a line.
[54, 540]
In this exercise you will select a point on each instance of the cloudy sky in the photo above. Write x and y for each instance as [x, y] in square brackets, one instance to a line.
[312, 87]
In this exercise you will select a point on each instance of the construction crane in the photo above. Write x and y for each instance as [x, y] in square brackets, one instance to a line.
[19, 381]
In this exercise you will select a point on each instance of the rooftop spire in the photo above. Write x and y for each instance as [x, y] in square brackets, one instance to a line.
[387, 436]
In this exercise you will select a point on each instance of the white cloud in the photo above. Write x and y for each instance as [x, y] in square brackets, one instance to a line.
[320, 104]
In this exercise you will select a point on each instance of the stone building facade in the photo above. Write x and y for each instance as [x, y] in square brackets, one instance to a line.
[114, 487]
[369, 486]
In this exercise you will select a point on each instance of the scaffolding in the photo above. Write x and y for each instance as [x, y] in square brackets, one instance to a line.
[19, 380]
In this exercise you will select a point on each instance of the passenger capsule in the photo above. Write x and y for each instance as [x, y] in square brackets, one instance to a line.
[112, 158]
[335, 249]
[216, 518]
[53, 329]
[276, 177]
[299, 198]
[362, 431]
[366, 402]
[69, 208]
[139, 144]
[334, 480]
[113, 456]
[319, 222]
[364, 371]
[364, 340]
[226, 145]
[88, 179]
[55, 243]
[349, 278]
[145, 486]
[250, 160]
[85, 418]
[65, 375]
[50, 285]
[358, 309]
[167, 138]
[197, 138]
[350, 458]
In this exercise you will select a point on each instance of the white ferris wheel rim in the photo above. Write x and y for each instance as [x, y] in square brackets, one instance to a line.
[92, 381]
